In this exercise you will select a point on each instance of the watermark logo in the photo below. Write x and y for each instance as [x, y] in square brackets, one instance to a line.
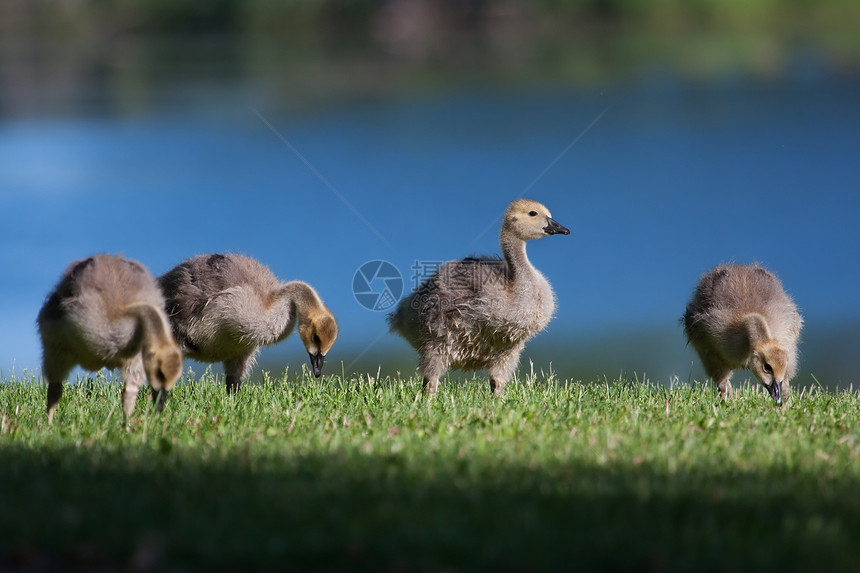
[423, 270]
[377, 285]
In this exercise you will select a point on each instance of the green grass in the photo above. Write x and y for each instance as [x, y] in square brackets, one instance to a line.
[362, 474]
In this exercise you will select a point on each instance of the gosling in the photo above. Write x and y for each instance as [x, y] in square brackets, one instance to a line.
[478, 313]
[740, 317]
[107, 311]
[223, 308]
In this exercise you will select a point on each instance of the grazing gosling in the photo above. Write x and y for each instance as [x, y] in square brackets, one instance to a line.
[107, 311]
[740, 317]
[223, 308]
[478, 313]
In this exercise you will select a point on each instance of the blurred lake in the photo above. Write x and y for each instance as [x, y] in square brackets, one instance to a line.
[160, 149]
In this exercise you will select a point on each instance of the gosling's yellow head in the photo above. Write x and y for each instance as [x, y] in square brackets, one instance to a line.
[318, 331]
[163, 365]
[528, 220]
[769, 363]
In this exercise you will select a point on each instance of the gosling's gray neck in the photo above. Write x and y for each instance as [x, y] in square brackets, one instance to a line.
[303, 301]
[745, 334]
[758, 330]
[301, 296]
[151, 326]
[284, 306]
[514, 251]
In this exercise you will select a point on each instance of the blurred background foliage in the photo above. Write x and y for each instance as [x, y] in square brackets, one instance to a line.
[358, 48]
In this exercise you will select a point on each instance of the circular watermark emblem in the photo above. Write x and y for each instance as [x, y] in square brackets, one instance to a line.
[377, 285]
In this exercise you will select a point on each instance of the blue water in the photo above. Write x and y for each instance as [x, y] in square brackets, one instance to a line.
[673, 178]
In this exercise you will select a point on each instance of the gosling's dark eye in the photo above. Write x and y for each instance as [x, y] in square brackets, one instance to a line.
[532, 213]
[767, 368]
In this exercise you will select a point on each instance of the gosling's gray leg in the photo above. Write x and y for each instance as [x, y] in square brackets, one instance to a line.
[716, 368]
[55, 374]
[233, 384]
[132, 376]
[726, 391]
[55, 394]
[432, 366]
[501, 371]
[235, 370]
[724, 385]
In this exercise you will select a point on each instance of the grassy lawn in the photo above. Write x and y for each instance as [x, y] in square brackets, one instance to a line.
[360, 474]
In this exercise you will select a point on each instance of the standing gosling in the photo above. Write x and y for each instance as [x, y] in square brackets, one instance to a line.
[478, 313]
[223, 308]
[740, 317]
[107, 311]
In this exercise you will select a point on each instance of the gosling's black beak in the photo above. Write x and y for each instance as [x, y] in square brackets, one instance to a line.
[775, 390]
[159, 397]
[553, 227]
[317, 363]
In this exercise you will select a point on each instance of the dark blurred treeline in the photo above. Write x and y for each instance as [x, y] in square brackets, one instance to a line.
[364, 20]
[97, 53]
